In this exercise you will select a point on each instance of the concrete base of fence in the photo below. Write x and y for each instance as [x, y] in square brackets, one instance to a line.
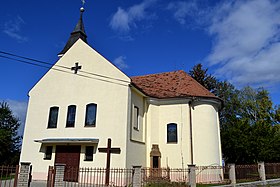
[261, 170]
[23, 180]
[232, 177]
[192, 175]
[136, 178]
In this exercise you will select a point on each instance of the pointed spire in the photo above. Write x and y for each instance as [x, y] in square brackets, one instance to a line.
[78, 32]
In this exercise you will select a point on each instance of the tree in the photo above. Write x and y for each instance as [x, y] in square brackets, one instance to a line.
[201, 76]
[9, 138]
[249, 129]
[234, 129]
[277, 114]
[229, 115]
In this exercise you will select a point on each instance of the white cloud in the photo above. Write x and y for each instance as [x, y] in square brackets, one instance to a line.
[182, 9]
[19, 109]
[246, 37]
[120, 62]
[120, 20]
[13, 29]
[186, 10]
[123, 20]
[246, 48]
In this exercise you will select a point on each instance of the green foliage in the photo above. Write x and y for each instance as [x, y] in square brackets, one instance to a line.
[250, 134]
[231, 110]
[201, 76]
[9, 139]
[250, 130]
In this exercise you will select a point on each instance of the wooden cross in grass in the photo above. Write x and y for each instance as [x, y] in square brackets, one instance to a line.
[109, 150]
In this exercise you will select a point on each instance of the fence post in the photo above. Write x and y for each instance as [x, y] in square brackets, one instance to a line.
[192, 175]
[232, 176]
[16, 176]
[59, 175]
[136, 177]
[261, 170]
[24, 174]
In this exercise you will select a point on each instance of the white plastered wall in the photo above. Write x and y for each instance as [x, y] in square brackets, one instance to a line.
[206, 135]
[174, 155]
[62, 89]
[136, 144]
[205, 127]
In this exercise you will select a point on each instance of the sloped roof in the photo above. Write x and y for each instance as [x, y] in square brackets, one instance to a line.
[78, 32]
[170, 85]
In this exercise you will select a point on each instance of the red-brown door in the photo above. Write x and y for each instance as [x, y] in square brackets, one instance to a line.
[69, 155]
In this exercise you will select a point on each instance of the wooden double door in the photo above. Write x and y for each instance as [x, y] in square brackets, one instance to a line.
[70, 156]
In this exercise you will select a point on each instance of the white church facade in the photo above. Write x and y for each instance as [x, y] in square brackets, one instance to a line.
[159, 120]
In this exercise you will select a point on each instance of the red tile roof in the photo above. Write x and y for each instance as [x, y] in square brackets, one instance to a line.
[170, 85]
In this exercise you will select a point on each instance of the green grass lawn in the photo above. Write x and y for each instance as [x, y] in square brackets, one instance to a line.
[7, 177]
[202, 185]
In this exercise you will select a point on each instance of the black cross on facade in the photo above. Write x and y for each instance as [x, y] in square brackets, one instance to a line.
[76, 68]
[109, 150]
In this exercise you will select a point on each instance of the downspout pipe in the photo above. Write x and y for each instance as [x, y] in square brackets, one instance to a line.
[191, 131]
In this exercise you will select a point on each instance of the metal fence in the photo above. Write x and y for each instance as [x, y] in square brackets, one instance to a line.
[9, 176]
[247, 173]
[92, 177]
[211, 174]
[50, 179]
[164, 177]
[272, 170]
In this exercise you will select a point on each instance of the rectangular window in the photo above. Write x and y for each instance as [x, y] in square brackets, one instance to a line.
[136, 118]
[53, 116]
[71, 114]
[172, 133]
[91, 115]
[48, 153]
[89, 153]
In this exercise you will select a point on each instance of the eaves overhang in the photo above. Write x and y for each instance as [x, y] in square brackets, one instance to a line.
[67, 140]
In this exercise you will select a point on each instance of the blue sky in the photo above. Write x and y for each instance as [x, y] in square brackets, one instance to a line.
[238, 41]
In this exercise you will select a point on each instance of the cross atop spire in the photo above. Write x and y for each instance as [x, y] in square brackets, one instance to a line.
[78, 32]
[83, 2]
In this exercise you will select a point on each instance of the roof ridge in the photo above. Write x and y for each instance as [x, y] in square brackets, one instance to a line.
[160, 73]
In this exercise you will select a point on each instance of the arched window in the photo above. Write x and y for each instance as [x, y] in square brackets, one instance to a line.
[53, 116]
[91, 115]
[172, 133]
[71, 115]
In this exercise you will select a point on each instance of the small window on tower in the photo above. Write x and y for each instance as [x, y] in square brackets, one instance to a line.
[48, 153]
[89, 153]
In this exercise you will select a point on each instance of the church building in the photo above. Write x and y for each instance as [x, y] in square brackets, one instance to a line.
[158, 120]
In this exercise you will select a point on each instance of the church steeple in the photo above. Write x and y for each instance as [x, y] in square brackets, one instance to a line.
[78, 32]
